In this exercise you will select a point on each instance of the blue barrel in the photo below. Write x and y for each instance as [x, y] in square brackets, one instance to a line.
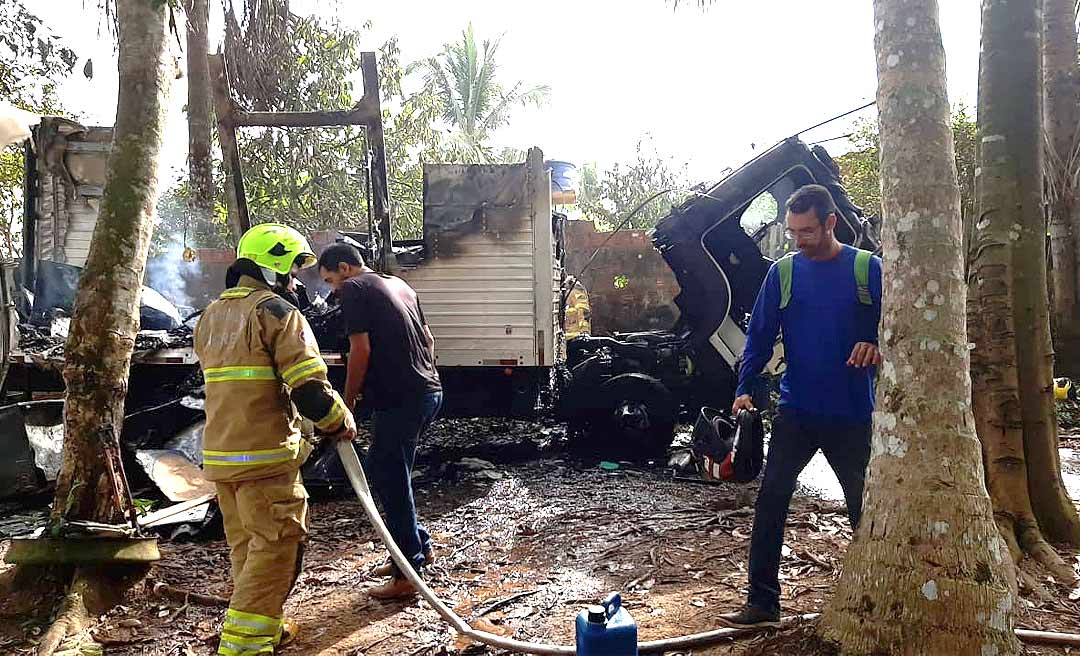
[606, 629]
[564, 181]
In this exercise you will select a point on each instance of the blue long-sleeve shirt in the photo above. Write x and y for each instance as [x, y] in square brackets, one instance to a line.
[820, 326]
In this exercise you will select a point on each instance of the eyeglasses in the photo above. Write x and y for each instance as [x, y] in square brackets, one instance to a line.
[805, 233]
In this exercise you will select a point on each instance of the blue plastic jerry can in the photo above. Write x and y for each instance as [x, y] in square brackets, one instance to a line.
[606, 629]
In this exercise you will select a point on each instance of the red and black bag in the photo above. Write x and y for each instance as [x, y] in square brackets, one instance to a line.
[729, 450]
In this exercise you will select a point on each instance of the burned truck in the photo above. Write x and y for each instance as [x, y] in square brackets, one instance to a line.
[627, 392]
[489, 272]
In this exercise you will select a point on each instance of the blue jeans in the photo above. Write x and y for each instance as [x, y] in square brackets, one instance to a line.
[389, 463]
[795, 439]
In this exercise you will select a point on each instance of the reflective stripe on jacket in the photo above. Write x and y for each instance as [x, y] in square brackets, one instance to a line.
[253, 348]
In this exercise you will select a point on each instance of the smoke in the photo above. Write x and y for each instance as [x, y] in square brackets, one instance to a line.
[168, 274]
[166, 271]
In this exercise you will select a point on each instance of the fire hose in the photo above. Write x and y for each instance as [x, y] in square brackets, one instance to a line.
[359, 483]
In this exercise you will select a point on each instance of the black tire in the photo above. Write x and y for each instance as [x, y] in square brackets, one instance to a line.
[644, 394]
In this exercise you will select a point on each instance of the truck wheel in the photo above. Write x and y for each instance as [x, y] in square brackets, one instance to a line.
[636, 418]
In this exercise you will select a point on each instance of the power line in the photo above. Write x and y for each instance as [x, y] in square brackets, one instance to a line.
[836, 118]
[843, 136]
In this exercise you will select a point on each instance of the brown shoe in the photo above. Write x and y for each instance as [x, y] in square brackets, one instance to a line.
[395, 588]
[387, 568]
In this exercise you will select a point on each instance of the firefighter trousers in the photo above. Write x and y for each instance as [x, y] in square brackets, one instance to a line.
[265, 524]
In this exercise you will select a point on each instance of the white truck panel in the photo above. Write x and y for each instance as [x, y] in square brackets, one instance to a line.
[487, 286]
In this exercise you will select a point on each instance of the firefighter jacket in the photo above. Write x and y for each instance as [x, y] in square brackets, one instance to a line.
[261, 365]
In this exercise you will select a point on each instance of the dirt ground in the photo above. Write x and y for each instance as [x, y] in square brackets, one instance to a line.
[520, 548]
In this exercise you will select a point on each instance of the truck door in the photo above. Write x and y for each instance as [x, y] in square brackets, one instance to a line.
[742, 247]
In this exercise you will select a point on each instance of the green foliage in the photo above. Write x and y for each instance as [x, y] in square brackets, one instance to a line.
[310, 178]
[860, 168]
[411, 139]
[965, 139]
[463, 77]
[32, 61]
[860, 172]
[11, 179]
[143, 506]
[608, 198]
[763, 209]
[315, 178]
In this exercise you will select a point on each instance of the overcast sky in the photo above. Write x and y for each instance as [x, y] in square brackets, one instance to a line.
[704, 84]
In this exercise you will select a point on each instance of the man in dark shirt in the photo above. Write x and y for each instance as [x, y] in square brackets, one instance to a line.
[391, 366]
[826, 302]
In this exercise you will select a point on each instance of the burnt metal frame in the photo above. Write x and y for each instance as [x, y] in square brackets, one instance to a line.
[30, 175]
[367, 114]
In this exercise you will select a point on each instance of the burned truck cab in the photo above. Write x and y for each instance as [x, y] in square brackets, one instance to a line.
[720, 244]
[629, 391]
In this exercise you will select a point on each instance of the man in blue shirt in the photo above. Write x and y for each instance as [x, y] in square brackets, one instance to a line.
[825, 301]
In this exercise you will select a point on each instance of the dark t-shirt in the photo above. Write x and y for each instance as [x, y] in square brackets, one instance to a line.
[386, 308]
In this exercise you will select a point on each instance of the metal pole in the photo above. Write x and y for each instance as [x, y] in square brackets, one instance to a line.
[367, 202]
[380, 198]
[29, 254]
[239, 221]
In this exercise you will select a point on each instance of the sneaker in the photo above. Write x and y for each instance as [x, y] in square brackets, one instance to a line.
[387, 568]
[751, 617]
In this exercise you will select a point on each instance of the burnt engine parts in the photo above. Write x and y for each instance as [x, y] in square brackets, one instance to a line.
[624, 394]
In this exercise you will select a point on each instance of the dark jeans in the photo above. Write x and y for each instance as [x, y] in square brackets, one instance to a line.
[795, 439]
[389, 463]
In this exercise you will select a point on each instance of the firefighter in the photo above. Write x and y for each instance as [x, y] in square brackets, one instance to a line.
[263, 371]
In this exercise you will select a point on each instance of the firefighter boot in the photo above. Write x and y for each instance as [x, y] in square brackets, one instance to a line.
[290, 628]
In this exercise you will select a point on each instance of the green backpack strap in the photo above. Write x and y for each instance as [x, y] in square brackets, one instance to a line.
[784, 267]
[862, 277]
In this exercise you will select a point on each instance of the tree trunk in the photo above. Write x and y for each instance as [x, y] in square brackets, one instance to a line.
[1014, 417]
[927, 572]
[200, 162]
[1061, 79]
[996, 397]
[1054, 510]
[106, 316]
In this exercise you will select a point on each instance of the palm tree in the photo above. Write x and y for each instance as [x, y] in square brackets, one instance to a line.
[474, 103]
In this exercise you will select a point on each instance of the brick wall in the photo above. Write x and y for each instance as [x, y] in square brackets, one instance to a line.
[630, 286]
